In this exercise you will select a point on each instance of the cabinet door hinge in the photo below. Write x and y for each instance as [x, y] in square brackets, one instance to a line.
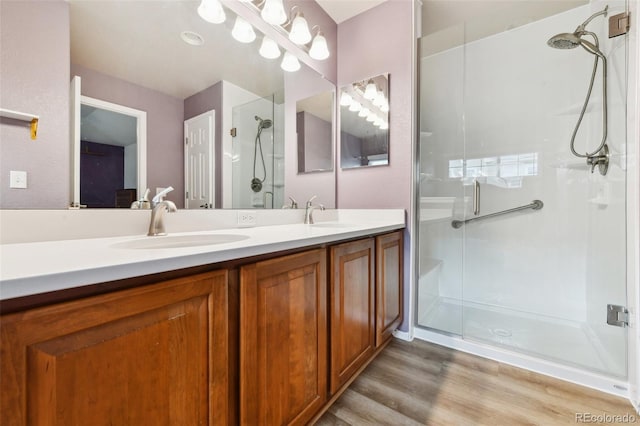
[617, 315]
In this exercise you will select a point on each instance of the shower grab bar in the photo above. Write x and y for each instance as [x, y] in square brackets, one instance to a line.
[535, 205]
[476, 198]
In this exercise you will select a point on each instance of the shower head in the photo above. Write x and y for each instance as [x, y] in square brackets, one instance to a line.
[564, 41]
[264, 124]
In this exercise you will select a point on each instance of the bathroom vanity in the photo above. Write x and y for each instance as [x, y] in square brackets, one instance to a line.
[260, 330]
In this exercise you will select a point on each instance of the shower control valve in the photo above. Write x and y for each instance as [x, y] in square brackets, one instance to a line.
[601, 161]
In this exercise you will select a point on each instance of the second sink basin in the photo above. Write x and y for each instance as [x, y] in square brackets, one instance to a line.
[180, 241]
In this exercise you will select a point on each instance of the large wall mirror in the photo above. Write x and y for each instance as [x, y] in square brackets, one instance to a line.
[364, 123]
[215, 108]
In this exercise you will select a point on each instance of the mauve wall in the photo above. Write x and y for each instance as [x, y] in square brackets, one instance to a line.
[35, 82]
[165, 152]
[201, 102]
[314, 142]
[378, 41]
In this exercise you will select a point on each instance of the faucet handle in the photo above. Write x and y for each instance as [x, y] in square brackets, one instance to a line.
[310, 201]
[294, 203]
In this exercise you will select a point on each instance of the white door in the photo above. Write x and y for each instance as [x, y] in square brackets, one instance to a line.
[199, 157]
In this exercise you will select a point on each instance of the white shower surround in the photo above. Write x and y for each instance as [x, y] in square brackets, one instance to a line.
[565, 190]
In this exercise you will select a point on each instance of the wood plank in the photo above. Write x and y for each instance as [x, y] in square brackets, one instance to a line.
[423, 383]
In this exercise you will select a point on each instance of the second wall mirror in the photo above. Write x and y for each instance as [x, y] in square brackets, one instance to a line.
[364, 123]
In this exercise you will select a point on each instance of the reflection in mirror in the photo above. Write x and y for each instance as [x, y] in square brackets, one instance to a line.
[314, 128]
[364, 123]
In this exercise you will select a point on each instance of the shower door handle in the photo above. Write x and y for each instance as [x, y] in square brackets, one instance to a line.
[476, 198]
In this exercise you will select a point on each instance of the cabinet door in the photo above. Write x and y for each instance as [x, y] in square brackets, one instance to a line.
[283, 339]
[389, 274]
[352, 308]
[153, 355]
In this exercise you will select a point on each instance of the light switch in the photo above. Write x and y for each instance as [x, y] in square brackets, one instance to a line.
[17, 179]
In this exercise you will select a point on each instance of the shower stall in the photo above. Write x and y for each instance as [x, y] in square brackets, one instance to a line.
[497, 115]
[258, 154]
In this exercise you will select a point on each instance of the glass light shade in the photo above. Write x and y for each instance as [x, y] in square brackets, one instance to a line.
[212, 11]
[290, 63]
[371, 117]
[370, 91]
[269, 49]
[379, 100]
[385, 107]
[299, 33]
[384, 126]
[319, 49]
[378, 122]
[363, 112]
[273, 12]
[355, 106]
[243, 31]
[345, 99]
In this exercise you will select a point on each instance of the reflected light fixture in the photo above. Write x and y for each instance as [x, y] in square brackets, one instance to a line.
[299, 33]
[371, 117]
[371, 91]
[385, 107]
[355, 106]
[378, 122]
[243, 31]
[269, 49]
[319, 49]
[379, 100]
[212, 11]
[384, 126]
[290, 63]
[363, 112]
[345, 99]
[273, 12]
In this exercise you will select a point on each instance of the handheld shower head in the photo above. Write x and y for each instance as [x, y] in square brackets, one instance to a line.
[564, 41]
[263, 124]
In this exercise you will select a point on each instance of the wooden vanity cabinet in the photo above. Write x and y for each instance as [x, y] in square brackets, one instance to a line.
[283, 339]
[389, 285]
[352, 305]
[152, 355]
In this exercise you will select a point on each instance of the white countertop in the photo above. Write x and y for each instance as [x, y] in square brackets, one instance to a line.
[39, 267]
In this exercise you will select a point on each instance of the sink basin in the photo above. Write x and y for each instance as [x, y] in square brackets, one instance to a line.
[180, 241]
[332, 225]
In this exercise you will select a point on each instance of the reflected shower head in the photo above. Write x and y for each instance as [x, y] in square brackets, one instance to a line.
[264, 124]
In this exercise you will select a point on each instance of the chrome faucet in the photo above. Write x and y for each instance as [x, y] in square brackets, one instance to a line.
[308, 212]
[156, 227]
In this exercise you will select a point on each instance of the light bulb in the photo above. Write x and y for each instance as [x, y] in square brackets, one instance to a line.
[378, 122]
[384, 126]
[319, 49]
[243, 31]
[363, 112]
[370, 91]
[290, 63]
[345, 99]
[212, 11]
[273, 12]
[355, 106]
[269, 48]
[371, 117]
[299, 30]
[385, 107]
[379, 100]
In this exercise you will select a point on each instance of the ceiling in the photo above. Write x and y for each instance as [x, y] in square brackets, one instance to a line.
[107, 127]
[341, 10]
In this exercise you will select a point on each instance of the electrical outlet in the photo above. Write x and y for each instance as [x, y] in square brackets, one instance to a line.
[17, 179]
[246, 218]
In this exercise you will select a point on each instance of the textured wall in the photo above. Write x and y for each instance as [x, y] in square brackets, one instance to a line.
[34, 78]
[165, 118]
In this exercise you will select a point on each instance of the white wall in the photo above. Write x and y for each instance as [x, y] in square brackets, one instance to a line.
[514, 95]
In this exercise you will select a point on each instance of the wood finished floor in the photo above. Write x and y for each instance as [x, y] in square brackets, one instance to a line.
[419, 383]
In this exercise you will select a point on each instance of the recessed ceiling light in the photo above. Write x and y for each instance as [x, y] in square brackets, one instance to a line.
[192, 38]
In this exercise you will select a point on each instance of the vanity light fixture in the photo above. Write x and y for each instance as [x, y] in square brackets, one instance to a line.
[290, 63]
[355, 106]
[243, 31]
[319, 49]
[371, 117]
[299, 33]
[364, 112]
[384, 126]
[370, 91]
[273, 12]
[385, 107]
[212, 11]
[378, 122]
[269, 49]
[379, 99]
[345, 99]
